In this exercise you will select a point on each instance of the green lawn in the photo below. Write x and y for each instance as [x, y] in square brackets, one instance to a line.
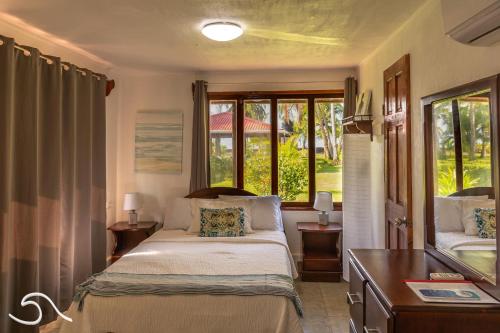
[328, 178]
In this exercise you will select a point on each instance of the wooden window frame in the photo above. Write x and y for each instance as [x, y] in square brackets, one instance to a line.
[273, 97]
[457, 137]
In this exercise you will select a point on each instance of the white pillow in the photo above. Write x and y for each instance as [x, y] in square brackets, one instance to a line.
[448, 213]
[266, 213]
[178, 214]
[468, 219]
[197, 204]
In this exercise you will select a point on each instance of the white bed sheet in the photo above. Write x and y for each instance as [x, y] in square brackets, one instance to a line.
[461, 241]
[178, 252]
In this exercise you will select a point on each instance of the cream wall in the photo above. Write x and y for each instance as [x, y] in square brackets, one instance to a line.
[277, 80]
[172, 91]
[150, 91]
[437, 63]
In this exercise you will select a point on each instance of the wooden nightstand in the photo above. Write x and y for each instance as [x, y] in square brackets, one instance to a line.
[322, 251]
[128, 236]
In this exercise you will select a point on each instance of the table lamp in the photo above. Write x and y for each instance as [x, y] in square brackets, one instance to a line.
[131, 203]
[324, 204]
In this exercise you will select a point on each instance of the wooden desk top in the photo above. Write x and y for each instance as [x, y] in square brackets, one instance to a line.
[124, 226]
[386, 269]
[315, 227]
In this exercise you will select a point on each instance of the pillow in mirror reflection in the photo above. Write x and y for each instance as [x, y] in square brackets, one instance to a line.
[448, 213]
[468, 219]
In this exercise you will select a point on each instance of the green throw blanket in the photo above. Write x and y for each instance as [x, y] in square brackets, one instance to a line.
[119, 284]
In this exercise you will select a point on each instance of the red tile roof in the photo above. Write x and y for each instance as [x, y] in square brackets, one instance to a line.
[223, 123]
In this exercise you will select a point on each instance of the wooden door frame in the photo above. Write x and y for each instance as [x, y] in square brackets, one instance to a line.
[402, 64]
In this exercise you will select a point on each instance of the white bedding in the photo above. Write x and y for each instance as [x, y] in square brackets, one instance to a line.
[461, 241]
[177, 252]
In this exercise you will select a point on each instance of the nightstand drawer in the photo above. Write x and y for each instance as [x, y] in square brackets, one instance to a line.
[319, 264]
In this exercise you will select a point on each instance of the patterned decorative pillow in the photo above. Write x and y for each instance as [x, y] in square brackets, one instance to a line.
[222, 222]
[486, 222]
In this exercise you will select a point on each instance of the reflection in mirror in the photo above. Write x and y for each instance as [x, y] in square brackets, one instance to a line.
[464, 205]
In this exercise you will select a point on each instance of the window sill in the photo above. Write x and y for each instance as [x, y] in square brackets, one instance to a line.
[337, 206]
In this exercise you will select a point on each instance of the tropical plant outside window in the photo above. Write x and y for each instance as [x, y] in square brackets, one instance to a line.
[287, 172]
[222, 142]
[462, 152]
[328, 122]
[293, 159]
[257, 131]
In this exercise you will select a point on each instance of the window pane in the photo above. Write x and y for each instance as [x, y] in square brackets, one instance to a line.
[328, 113]
[222, 142]
[444, 149]
[257, 134]
[475, 129]
[293, 166]
[473, 121]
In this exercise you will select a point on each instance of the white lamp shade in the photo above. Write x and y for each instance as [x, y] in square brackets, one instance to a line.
[131, 201]
[323, 201]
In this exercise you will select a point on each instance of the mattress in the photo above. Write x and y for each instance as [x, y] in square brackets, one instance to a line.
[461, 241]
[177, 252]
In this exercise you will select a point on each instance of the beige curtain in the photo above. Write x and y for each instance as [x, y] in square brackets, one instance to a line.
[52, 181]
[200, 167]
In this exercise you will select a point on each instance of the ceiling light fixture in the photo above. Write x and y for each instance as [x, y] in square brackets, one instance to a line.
[222, 31]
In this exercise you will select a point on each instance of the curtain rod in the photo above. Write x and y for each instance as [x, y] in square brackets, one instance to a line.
[275, 82]
[50, 61]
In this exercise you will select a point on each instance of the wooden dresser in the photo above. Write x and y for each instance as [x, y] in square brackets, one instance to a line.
[381, 303]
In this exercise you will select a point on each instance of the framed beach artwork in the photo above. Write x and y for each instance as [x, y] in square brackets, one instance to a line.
[158, 141]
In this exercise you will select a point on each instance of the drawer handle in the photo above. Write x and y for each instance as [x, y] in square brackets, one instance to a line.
[370, 330]
[350, 299]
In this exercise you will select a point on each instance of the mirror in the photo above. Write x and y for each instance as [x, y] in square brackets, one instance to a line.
[463, 196]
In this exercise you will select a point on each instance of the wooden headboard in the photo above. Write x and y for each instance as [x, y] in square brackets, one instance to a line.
[475, 191]
[214, 192]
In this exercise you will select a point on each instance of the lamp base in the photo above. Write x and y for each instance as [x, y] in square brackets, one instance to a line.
[132, 217]
[323, 218]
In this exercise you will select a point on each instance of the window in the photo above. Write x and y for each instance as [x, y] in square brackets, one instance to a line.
[462, 152]
[284, 143]
[222, 143]
[257, 142]
[293, 155]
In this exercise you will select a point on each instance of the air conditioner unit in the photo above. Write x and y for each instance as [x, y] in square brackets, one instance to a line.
[473, 22]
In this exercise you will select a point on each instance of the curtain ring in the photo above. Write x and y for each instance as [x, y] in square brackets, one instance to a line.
[1, 42]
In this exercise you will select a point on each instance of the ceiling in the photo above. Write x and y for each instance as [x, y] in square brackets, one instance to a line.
[164, 34]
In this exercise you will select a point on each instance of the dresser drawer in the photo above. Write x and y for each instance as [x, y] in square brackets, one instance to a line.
[355, 298]
[377, 319]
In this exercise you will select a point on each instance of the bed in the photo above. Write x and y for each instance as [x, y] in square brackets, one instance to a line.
[461, 241]
[220, 284]
[452, 231]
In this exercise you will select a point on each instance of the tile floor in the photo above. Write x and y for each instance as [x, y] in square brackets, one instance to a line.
[325, 307]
